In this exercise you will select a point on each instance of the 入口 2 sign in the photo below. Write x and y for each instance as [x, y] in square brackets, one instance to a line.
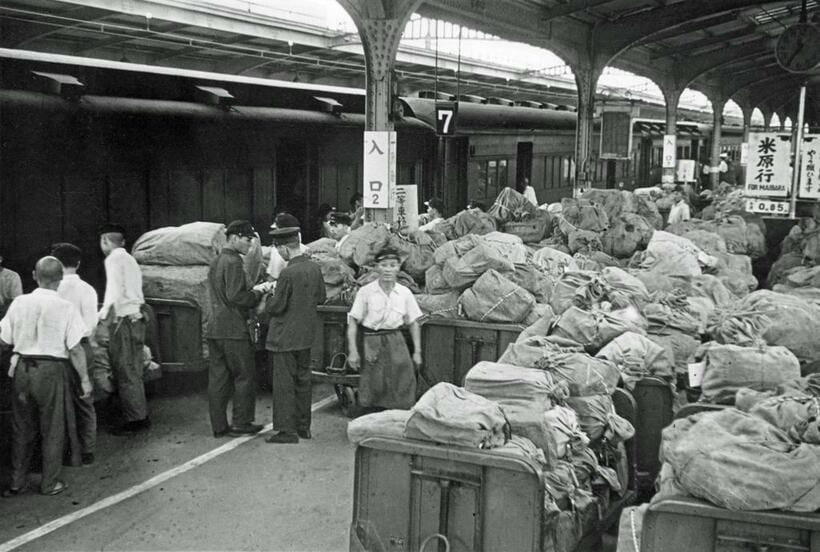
[379, 172]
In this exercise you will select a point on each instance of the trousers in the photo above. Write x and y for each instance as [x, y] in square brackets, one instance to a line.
[38, 408]
[84, 408]
[125, 348]
[231, 374]
[291, 390]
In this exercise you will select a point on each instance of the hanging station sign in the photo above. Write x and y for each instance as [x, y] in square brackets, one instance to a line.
[809, 165]
[379, 172]
[768, 172]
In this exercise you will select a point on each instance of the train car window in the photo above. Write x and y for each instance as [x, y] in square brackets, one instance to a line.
[567, 174]
[492, 179]
[502, 175]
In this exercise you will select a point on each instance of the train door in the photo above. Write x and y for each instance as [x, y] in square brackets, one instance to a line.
[452, 173]
[292, 178]
[645, 168]
[523, 163]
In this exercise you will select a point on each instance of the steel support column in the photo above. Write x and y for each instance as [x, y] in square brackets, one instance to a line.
[717, 110]
[586, 80]
[671, 98]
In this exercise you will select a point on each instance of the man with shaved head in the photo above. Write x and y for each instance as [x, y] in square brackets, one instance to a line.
[122, 313]
[45, 332]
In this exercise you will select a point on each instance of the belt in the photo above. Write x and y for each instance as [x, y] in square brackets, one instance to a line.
[32, 359]
[369, 331]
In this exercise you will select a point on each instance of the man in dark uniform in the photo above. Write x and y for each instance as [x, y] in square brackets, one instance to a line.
[293, 324]
[232, 367]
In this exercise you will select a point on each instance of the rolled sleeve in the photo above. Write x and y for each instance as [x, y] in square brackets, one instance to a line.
[6, 328]
[412, 310]
[75, 330]
[359, 309]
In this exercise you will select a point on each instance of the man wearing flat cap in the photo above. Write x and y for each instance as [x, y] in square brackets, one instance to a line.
[232, 370]
[339, 227]
[277, 263]
[383, 308]
[122, 315]
[293, 322]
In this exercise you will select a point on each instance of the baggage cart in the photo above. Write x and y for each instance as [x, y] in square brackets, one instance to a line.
[178, 339]
[414, 495]
[451, 348]
[688, 524]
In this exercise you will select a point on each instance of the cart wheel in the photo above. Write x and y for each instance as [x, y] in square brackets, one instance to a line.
[348, 400]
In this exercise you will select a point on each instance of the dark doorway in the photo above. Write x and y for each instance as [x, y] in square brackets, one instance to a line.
[523, 162]
[292, 179]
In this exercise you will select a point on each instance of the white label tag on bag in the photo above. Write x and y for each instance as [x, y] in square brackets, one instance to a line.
[696, 373]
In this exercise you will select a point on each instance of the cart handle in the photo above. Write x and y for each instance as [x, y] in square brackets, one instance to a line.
[429, 539]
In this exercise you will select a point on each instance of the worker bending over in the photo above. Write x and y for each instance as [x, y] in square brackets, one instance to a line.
[383, 308]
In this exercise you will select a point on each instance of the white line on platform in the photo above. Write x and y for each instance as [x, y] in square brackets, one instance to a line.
[144, 486]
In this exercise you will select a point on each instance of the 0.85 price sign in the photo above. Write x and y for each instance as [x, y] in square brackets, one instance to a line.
[767, 207]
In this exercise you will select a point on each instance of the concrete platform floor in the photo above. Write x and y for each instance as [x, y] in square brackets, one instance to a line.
[256, 496]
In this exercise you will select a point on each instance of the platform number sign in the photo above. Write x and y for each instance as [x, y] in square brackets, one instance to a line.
[446, 113]
[379, 168]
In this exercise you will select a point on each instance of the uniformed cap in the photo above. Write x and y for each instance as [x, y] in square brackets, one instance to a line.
[285, 220]
[286, 235]
[340, 218]
[110, 228]
[241, 228]
[436, 204]
[387, 253]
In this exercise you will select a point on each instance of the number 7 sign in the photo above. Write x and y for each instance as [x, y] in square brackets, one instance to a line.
[446, 118]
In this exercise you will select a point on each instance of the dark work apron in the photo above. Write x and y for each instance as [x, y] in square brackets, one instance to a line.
[388, 377]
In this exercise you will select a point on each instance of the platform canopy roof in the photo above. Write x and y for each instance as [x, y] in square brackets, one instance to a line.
[724, 48]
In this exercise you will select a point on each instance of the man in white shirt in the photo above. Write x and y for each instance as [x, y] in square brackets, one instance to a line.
[435, 214]
[277, 264]
[122, 312]
[680, 210]
[84, 298]
[45, 332]
[383, 308]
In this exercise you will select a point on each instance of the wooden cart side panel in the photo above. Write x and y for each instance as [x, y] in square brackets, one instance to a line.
[654, 401]
[438, 354]
[179, 335]
[677, 533]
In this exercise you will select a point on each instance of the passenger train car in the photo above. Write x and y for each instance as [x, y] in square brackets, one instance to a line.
[83, 141]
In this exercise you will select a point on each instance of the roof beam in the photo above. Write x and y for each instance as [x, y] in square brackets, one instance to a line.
[75, 17]
[572, 7]
[690, 27]
[700, 65]
[703, 43]
[619, 35]
[117, 39]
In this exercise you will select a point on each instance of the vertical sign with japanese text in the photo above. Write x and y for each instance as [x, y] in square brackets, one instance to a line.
[669, 151]
[767, 169]
[379, 172]
[685, 171]
[406, 207]
[809, 164]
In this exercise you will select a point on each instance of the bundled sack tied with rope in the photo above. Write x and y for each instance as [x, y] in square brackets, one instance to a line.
[638, 357]
[682, 346]
[465, 223]
[510, 206]
[626, 234]
[539, 327]
[439, 306]
[615, 202]
[529, 277]
[416, 251]
[594, 329]
[452, 415]
[569, 437]
[529, 351]
[782, 267]
[589, 472]
[461, 273]
[710, 243]
[336, 274]
[584, 215]
[741, 462]
[363, 244]
[553, 262]
[564, 292]
[795, 415]
[583, 374]
[595, 261]
[434, 282]
[735, 271]
[524, 394]
[673, 311]
[597, 418]
[730, 367]
[455, 249]
[672, 255]
[323, 248]
[388, 423]
[507, 246]
[614, 286]
[196, 243]
[531, 229]
[776, 318]
[521, 447]
[494, 298]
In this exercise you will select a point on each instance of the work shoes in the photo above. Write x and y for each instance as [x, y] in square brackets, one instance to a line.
[283, 438]
[129, 428]
[304, 434]
[11, 492]
[249, 429]
[223, 433]
[56, 489]
[88, 458]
